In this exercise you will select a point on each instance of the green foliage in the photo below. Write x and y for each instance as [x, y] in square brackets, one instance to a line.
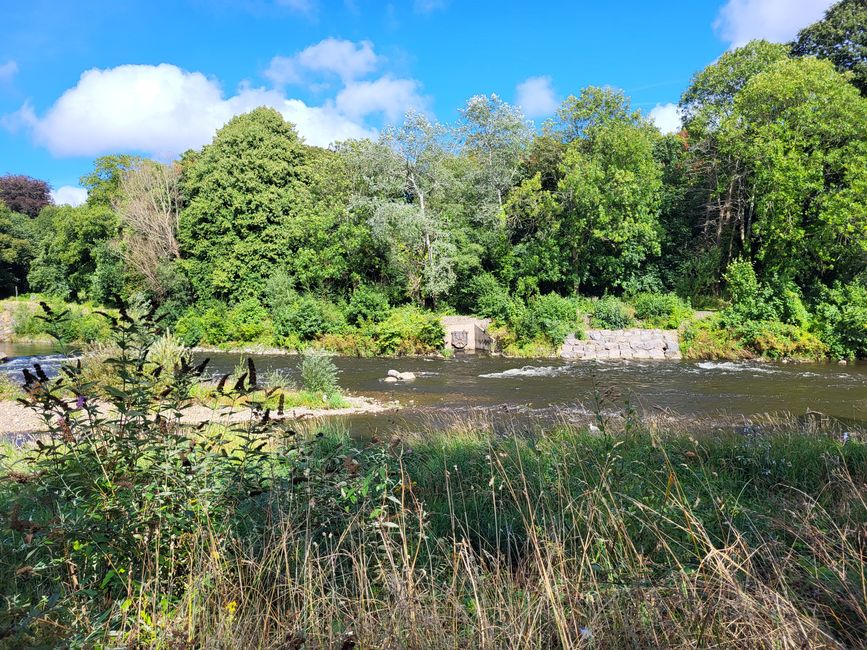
[800, 130]
[841, 317]
[367, 304]
[610, 312]
[318, 373]
[258, 200]
[308, 317]
[550, 317]
[407, 330]
[80, 325]
[664, 310]
[840, 37]
[103, 182]
[67, 254]
[249, 321]
[486, 297]
[15, 251]
[204, 324]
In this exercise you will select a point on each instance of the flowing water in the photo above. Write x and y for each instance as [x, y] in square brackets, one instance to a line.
[549, 388]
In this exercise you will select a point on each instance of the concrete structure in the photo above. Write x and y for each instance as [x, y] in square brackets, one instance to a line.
[467, 334]
[623, 344]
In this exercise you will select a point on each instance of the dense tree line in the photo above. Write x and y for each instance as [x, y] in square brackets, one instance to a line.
[489, 215]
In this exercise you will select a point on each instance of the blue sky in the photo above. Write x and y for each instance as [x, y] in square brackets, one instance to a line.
[79, 79]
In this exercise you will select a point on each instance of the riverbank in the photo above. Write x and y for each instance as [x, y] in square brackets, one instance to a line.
[17, 419]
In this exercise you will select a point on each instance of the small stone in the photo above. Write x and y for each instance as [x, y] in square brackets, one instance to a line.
[390, 380]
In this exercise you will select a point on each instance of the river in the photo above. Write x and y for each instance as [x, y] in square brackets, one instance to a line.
[544, 388]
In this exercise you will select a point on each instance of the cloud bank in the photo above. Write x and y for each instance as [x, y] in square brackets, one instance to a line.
[536, 97]
[69, 195]
[162, 110]
[666, 117]
[740, 21]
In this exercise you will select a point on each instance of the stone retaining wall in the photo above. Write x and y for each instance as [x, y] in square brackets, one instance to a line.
[623, 344]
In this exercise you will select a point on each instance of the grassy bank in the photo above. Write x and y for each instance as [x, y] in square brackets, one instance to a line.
[559, 540]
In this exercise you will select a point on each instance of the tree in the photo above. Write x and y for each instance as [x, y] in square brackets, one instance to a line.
[840, 37]
[801, 131]
[610, 198]
[718, 197]
[259, 202]
[149, 206]
[15, 251]
[711, 93]
[495, 136]
[24, 194]
[103, 182]
[67, 256]
[594, 108]
[399, 184]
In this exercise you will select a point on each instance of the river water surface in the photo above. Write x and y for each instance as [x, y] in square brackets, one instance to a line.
[549, 387]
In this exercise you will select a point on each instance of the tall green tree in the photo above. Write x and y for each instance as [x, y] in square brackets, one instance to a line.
[840, 37]
[801, 130]
[15, 251]
[400, 184]
[73, 250]
[610, 196]
[255, 207]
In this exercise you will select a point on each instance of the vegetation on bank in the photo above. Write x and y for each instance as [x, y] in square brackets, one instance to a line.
[129, 529]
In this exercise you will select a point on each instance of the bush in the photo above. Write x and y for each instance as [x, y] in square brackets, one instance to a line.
[249, 321]
[318, 373]
[551, 317]
[203, 325]
[408, 330]
[489, 298]
[715, 338]
[841, 320]
[81, 324]
[307, 318]
[367, 304]
[664, 310]
[611, 313]
[751, 300]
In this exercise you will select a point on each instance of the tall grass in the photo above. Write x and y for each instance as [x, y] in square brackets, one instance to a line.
[456, 539]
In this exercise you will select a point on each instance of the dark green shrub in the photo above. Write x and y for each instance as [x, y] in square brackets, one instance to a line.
[611, 313]
[205, 324]
[488, 298]
[751, 300]
[248, 321]
[307, 318]
[408, 330]
[665, 310]
[841, 320]
[367, 304]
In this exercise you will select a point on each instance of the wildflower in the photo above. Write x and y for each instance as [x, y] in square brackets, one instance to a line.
[586, 633]
[232, 607]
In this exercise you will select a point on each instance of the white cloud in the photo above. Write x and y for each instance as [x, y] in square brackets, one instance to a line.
[163, 110]
[347, 59]
[666, 117]
[8, 71]
[536, 97]
[386, 95]
[69, 195]
[740, 21]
